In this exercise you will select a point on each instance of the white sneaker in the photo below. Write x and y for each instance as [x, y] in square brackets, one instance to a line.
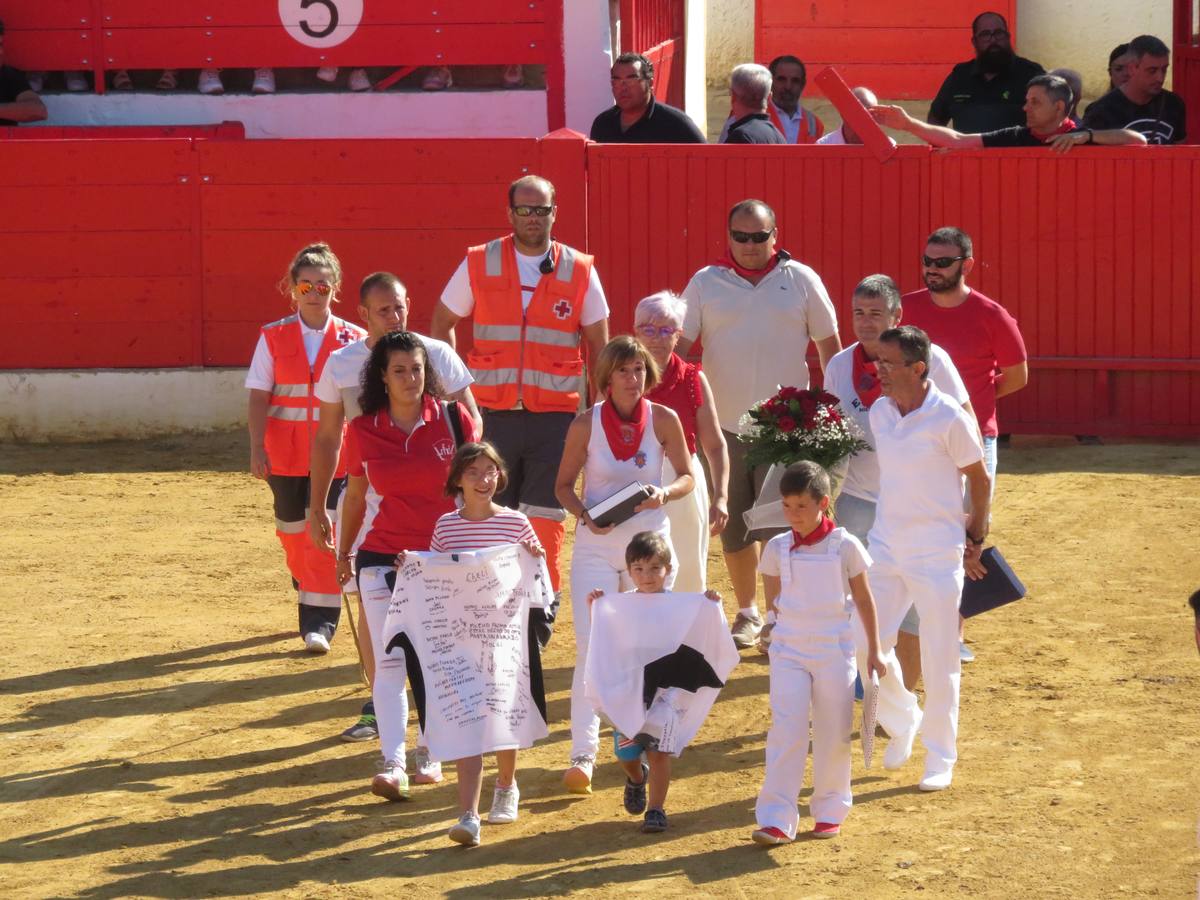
[466, 830]
[578, 778]
[315, 642]
[504, 805]
[76, 83]
[514, 76]
[745, 631]
[900, 747]
[359, 80]
[328, 74]
[391, 783]
[437, 79]
[37, 81]
[936, 781]
[264, 81]
[210, 82]
[429, 771]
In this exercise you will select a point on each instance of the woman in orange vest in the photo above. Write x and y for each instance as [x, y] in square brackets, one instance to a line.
[283, 413]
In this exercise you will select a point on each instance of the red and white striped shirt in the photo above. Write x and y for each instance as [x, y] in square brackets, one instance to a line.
[453, 533]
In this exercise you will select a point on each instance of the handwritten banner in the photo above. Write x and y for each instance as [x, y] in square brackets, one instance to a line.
[463, 621]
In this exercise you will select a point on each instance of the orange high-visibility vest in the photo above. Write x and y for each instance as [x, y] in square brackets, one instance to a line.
[806, 134]
[527, 358]
[293, 412]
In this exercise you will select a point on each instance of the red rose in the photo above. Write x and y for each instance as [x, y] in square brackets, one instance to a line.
[787, 424]
[827, 398]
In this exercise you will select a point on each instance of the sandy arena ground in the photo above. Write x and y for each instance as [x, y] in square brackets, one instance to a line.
[164, 735]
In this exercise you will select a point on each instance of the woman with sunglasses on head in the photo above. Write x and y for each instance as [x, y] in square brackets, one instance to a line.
[658, 321]
[398, 456]
[283, 411]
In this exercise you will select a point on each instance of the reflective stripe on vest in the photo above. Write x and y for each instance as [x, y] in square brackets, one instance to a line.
[290, 390]
[293, 413]
[527, 355]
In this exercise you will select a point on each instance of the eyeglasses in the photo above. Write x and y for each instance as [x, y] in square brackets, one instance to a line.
[940, 262]
[540, 211]
[884, 364]
[745, 237]
[993, 34]
[304, 287]
[661, 331]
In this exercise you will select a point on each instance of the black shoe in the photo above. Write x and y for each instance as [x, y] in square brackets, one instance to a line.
[655, 821]
[635, 794]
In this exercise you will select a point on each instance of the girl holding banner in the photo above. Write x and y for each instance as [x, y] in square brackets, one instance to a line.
[622, 440]
[398, 454]
[476, 474]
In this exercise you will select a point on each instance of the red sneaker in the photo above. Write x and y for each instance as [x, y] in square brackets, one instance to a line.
[826, 830]
[770, 837]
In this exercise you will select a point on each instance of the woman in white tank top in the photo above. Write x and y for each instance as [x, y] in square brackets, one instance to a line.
[622, 439]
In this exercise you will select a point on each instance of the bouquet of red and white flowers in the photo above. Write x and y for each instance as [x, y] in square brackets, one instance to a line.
[795, 425]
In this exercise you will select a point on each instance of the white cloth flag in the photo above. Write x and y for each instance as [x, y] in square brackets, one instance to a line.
[656, 663]
[462, 620]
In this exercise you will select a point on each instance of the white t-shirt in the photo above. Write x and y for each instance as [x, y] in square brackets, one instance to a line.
[862, 474]
[755, 336]
[855, 559]
[834, 137]
[262, 367]
[457, 296]
[919, 513]
[340, 381]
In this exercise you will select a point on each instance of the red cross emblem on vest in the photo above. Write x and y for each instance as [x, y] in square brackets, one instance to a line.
[562, 309]
[346, 336]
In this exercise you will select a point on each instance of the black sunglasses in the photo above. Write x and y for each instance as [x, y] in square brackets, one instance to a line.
[940, 262]
[745, 237]
[539, 211]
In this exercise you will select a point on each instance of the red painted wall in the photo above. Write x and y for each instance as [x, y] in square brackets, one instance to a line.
[898, 50]
[158, 253]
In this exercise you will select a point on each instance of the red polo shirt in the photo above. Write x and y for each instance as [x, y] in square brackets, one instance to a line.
[406, 475]
[981, 338]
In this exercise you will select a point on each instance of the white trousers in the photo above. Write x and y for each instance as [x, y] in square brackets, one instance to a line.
[689, 530]
[391, 702]
[810, 677]
[598, 561]
[934, 586]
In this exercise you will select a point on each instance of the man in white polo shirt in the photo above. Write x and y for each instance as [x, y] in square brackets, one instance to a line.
[852, 377]
[754, 311]
[383, 307]
[921, 540]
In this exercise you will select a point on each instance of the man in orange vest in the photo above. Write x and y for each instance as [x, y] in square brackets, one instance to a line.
[788, 79]
[533, 299]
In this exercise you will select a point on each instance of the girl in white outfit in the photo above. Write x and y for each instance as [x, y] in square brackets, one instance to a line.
[622, 439]
[812, 574]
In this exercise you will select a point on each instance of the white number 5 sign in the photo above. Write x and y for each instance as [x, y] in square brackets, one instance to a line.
[320, 23]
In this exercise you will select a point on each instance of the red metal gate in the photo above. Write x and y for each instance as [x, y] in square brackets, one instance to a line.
[1186, 62]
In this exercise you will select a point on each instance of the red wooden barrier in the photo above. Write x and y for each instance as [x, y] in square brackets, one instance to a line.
[157, 253]
[655, 28]
[899, 50]
[103, 35]
[221, 131]
[1185, 63]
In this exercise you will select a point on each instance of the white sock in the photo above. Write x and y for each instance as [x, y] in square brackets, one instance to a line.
[750, 612]
[771, 617]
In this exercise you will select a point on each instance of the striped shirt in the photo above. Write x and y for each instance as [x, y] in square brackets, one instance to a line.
[452, 532]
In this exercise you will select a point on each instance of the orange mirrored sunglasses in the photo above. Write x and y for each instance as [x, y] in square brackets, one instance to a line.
[305, 286]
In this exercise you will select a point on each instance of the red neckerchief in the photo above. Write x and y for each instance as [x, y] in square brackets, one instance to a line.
[671, 376]
[866, 377]
[815, 536]
[730, 263]
[1068, 124]
[624, 436]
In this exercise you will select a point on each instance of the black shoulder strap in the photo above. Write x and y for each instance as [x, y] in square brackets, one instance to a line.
[455, 419]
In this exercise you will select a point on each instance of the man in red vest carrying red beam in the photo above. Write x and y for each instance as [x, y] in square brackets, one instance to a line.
[533, 300]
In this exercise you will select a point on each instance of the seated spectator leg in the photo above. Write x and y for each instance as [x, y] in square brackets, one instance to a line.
[437, 79]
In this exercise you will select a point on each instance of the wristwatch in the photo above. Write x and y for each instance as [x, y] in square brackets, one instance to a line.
[975, 542]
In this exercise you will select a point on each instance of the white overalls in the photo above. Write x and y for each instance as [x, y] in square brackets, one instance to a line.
[812, 674]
